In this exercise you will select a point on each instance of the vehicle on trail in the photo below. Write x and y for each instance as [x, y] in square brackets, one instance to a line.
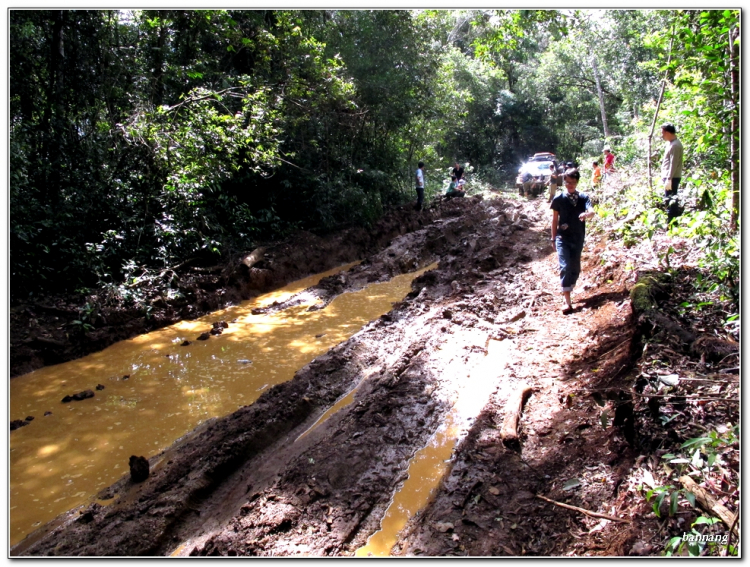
[535, 172]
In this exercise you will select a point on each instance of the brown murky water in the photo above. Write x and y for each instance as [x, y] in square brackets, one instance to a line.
[429, 465]
[426, 469]
[62, 460]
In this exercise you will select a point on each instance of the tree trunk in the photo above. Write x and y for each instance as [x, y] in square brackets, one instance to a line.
[658, 105]
[53, 112]
[734, 128]
[601, 96]
[157, 84]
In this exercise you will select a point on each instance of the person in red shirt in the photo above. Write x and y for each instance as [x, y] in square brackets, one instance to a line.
[609, 160]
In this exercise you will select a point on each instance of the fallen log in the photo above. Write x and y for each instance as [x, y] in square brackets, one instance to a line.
[509, 431]
[709, 503]
[254, 257]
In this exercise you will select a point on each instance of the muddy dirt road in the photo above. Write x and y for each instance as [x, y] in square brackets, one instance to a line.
[474, 334]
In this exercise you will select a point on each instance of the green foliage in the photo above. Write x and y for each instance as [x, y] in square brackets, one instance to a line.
[696, 546]
[707, 227]
[702, 456]
[697, 99]
[142, 139]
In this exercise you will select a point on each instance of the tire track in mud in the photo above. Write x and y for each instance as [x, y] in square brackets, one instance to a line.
[487, 505]
[240, 485]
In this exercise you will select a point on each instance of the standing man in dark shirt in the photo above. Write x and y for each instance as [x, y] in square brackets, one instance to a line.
[570, 211]
[458, 171]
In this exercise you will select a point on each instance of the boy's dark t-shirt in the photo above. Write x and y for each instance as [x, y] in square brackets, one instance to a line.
[568, 215]
[459, 173]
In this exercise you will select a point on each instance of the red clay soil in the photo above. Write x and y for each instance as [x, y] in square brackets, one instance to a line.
[247, 485]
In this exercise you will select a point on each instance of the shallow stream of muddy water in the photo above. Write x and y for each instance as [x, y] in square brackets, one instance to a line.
[155, 391]
[428, 466]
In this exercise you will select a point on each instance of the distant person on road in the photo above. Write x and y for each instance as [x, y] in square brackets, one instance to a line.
[609, 161]
[455, 188]
[458, 171]
[527, 181]
[671, 170]
[596, 176]
[420, 186]
[570, 211]
[554, 181]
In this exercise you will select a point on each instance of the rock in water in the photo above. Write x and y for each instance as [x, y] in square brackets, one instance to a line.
[138, 468]
[83, 395]
[16, 423]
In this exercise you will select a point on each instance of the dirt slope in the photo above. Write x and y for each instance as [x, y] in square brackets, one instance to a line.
[252, 484]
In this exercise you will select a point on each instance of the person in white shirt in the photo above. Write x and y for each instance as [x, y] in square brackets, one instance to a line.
[420, 186]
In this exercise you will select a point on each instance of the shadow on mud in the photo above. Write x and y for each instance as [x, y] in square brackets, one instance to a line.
[569, 453]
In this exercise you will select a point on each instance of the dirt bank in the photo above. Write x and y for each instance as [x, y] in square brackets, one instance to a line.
[251, 484]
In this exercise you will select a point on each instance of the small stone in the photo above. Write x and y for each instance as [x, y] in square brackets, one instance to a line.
[67, 399]
[16, 423]
[138, 468]
[127, 376]
[185, 343]
[83, 395]
[204, 337]
[443, 526]
[30, 418]
[99, 387]
[640, 548]
[46, 413]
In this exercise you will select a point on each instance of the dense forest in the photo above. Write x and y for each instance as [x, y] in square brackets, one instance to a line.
[141, 140]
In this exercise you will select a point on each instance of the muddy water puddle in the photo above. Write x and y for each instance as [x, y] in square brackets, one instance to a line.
[156, 391]
[430, 464]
